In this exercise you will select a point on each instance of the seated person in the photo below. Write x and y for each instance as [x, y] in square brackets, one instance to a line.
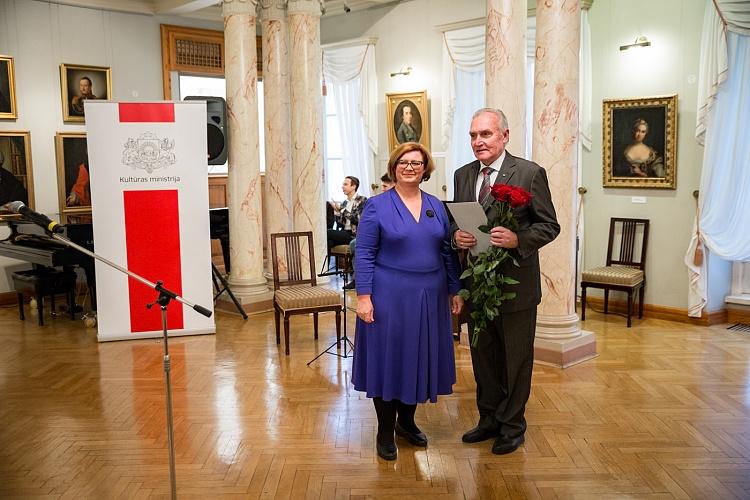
[346, 214]
[386, 183]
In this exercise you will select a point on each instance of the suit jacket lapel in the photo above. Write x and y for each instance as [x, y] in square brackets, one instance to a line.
[471, 186]
[507, 169]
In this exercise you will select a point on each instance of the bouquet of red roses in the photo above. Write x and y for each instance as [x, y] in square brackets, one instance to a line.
[489, 286]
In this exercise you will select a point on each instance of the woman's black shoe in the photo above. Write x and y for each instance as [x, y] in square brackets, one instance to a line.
[415, 438]
[386, 451]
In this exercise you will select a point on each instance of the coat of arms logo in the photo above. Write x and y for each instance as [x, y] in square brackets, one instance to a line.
[148, 152]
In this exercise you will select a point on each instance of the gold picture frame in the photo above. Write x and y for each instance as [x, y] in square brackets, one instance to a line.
[411, 106]
[8, 109]
[74, 89]
[73, 189]
[640, 142]
[17, 180]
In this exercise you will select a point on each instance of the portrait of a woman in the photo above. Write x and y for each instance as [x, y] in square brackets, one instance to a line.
[641, 160]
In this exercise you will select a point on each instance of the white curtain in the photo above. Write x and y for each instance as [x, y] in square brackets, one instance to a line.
[464, 50]
[733, 15]
[350, 72]
[470, 86]
[725, 179]
[722, 122]
[463, 76]
[357, 158]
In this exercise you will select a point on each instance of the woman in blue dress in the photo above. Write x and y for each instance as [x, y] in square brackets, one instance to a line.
[407, 283]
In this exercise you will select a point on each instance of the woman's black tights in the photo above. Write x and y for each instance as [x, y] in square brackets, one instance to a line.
[387, 412]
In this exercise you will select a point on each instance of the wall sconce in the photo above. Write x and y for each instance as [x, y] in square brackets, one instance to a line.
[641, 41]
[406, 70]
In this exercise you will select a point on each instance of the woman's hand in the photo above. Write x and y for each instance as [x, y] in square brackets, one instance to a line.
[365, 311]
[457, 304]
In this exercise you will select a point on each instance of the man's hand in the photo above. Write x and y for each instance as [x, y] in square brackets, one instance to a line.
[365, 311]
[464, 240]
[457, 304]
[503, 237]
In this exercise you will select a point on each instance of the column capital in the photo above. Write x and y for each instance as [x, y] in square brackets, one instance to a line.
[305, 7]
[272, 9]
[231, 7]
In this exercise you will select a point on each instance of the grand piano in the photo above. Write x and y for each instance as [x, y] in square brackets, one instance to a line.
[26, 244]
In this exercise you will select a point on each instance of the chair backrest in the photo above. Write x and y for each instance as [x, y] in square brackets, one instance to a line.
[330, 216]
[628, 239]
[295, 258]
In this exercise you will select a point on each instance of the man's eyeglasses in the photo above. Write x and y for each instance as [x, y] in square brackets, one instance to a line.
[415, 164]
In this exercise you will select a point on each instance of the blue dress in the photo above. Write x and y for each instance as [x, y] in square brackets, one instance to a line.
[409, 269]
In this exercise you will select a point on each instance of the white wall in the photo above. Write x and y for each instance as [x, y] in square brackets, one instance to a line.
[40, 36]
[669, 66]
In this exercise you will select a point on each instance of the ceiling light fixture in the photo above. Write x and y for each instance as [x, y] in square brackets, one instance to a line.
[404, 71]
[641, 41]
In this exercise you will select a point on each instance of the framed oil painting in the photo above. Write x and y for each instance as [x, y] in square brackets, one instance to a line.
[640, 142]
[80, 83]
[74, 192]
[16, 180]
[408, 120]
[7, 89]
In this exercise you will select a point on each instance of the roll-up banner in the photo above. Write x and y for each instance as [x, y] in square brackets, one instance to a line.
[149, 200]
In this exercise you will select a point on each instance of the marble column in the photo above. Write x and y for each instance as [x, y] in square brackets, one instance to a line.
[505, 66]
[277, 190]
[243, 183]
[305, 70]
[559, 338]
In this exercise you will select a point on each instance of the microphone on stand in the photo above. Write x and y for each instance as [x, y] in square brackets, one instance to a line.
[18, 207]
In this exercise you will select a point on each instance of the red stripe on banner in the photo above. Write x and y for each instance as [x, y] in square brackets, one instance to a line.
[152, 238]
[139, 112]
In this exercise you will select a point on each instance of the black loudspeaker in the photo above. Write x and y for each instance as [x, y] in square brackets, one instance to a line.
[217, 134]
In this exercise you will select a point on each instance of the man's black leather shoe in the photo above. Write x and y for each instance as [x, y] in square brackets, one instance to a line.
[415, 438]
[479, 433]
[386, 451]
[503, 446]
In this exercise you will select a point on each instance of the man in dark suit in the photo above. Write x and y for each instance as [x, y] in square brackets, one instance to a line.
[504, 356]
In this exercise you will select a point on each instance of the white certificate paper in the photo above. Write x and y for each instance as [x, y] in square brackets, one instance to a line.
[469, 216]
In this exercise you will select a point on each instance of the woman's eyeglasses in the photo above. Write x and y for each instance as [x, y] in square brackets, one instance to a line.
[415, 164]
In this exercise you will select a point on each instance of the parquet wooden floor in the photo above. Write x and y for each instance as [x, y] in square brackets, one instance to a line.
[663, 412]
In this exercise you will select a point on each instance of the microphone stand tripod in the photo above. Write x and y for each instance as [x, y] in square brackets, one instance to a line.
[348, 345]
[164, 298]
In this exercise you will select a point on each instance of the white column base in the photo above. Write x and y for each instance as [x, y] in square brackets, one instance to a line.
[255, 296]
[566, 351]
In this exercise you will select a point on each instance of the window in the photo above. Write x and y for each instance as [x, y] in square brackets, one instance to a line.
[334, 163]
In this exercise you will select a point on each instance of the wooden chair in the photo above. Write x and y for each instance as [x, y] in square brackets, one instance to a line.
[297, 294]
[626, 264]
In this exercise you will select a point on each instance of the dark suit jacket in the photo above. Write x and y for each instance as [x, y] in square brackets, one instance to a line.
[537, 224]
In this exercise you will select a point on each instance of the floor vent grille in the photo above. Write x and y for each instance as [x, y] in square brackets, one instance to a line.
[740, 327]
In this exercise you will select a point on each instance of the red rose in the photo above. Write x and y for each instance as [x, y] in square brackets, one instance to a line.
[501, 192]
[519, 197]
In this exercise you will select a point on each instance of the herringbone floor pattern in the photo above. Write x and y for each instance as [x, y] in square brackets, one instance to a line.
[663, 412]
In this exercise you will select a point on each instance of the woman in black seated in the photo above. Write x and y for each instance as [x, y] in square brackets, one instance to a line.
[346, 213]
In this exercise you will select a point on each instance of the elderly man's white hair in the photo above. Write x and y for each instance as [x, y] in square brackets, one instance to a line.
[494, 111]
